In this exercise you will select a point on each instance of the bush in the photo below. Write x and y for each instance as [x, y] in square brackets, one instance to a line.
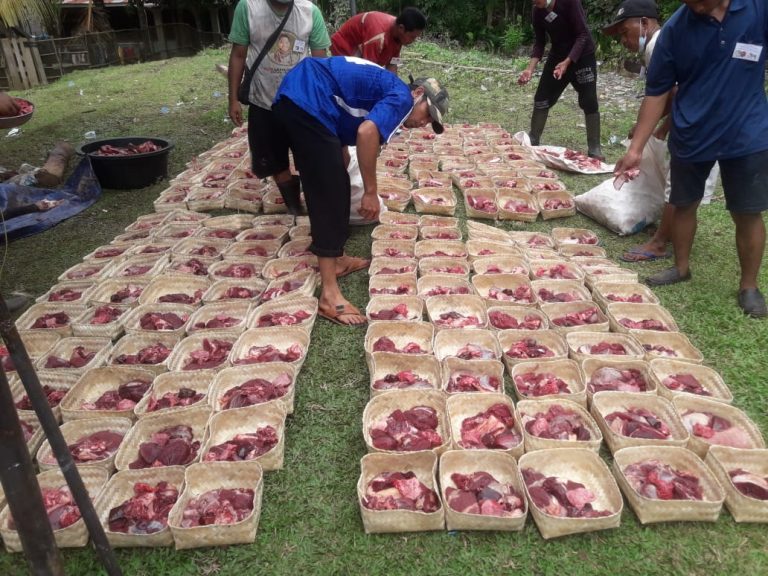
[516, 35]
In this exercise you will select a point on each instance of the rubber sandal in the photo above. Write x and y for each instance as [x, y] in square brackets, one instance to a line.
[354, 265]
[666, 277]
[342, 310]
[637, 255]
[752, 303]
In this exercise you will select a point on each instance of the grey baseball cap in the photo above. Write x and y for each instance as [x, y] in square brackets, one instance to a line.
[437, 100]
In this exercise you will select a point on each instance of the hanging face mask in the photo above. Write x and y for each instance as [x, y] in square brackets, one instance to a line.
[549, 3]
[643, 40]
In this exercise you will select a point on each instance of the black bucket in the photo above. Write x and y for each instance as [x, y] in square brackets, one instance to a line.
[132, 170]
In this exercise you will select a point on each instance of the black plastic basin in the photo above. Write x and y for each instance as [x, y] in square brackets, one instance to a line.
[132, 170]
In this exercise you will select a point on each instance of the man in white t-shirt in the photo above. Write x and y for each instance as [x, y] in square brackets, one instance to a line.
[637, 27]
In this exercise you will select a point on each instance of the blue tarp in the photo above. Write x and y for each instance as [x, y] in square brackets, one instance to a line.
[79, 191]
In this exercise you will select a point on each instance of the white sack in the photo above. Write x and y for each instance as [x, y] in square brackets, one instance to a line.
[356, 182]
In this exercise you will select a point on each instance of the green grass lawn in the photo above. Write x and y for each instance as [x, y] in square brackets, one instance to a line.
[310, 522]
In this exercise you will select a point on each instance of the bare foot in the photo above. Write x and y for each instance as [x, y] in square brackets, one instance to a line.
[348, 264]
[342, 313]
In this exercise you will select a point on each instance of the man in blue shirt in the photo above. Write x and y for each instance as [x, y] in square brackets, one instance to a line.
[714, 52]
[325, 105]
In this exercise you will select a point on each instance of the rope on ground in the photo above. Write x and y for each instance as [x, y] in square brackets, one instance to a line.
[463, 67]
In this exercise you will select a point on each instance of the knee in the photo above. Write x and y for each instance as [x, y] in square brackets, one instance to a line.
[541, 105]
[589, 104]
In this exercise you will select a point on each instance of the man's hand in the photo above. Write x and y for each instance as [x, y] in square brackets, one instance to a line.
[236, 113]
[369, 206]
[561, 68]
[630, 161]
[8, 106]
[525, 77]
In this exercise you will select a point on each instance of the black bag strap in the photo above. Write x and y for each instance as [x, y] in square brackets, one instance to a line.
[243, 92]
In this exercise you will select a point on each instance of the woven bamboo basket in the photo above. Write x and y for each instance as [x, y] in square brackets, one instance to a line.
[64, 348]
[108, 253]
[218, 290]
[83, 326]
[180, 356]
[395, 199]
[452, 366]
[133, 343]
[222, 269]
[199, 381]
[392, 284]
[485, 283]
[278, 267]
[388, 180]
[468, 405]
[565, 369]
[639, 312]
[229, 378]
[257, 248]
[443, 285]
[132, 320]
[674, 341]
[382, 405]
[54, 379]
[73, 536]
[546, 184]
[440, 201]
[578, 465]
[395, 232]
[300, 231]
[119, 489]
[448, 343]
[605, 403]
[288, 306]
[77, 429]
[500, 265]
[308, 278]
[561, 196]
[472, 183]
[91, 385]
[33, 443]
[196, 417]
[497, 315]
[192, 286]
[146, 222]
[286, 220]
[649, 510]
[201, 199]
[393, 248]
[556, 270]
[721, 460]
[532, 239]
[150, 247]
[606, 293]
[575, 341]
[224, 426]
[280, 337]
[266, 232]
[548, 291]
[508, 198]
[201, 247]
[489, 232]
[506, 180]
[574, 236]
[421, 163]
[396, 165]
[414, 307]
[139, 236]
[581, 250]
[166, 202]
[206, 476]
[560, 310]
[299, 247]
[613, 275]
[467, 305]
[105, 290]
[443, 267]
[204, 314]
[528, 409]
[589, 263]
[426, 367]
[439, 233]
[398, 219]
[502, 467]
[37, 342]
[424, 466]
[454, 249]
[231, 222]
[436, 221]
[491, 249]
[28, 318]
[533, 255]
[79, 291]
[383, 266]
[591, 365]
[685, 402]
[152, 265]
[709, 379]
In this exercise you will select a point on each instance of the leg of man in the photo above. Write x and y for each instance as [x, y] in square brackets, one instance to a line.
[547, 94]
[584, 81]
[750, 245]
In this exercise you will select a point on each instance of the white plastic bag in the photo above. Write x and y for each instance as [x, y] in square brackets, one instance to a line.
[639, 202]
[356, 182]
[555, 157]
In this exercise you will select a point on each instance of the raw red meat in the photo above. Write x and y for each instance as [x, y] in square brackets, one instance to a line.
[445, 270]
[239, 292]
[474, 352]
[750, 484]
[582, 238]
[261, 236]
[400, 491]
[556, 272]
[546, 295]
[536, 384]
[518, 206]
[520, 294]
[162, 321]
[539, 186]
[285, 288]
[401, 270]
[192, 266]
[53, 320]
[504, 321]
[648, 324]
[223, 233]
[157, 249]
[129, 150]
[660, 349]
[537, 240]
[256, 391]
[146, 512]
[405, 379]
[557, 204]
[283, 318]
[126, 295]
[182, 298]
[622, 380]
[587, 316]
[109, 252]
[557, 423]
[217, 507]
[135, 270]
[7, 361]
[106, 314]
[481, 203]
[244, 446]
[168, 447]
[65, 295]
[213, 353]
[24, 107]
[659, 481]
[442, 234]
[125, 397]
[716, 430]
[385, 344]
[238, 271]
[561, 497]
[27, 430]
[53, 395]
[481, 493]
[268, 353]
[182, 397]
[407, 430]
[457, 320]
[529, 348]
[685, 383]
[466, 382]
[607, 348]
[638, 423]
[219, 321]
[60, 507]
[152, 354]
[632, 298]
[77, 359]
[256, 251]
[443, 290]
[397, 291]
[395, 253]
[206, 251]
[492, 429]
[92, 448]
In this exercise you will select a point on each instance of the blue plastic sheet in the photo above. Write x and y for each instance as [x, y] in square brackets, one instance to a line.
[79, 191]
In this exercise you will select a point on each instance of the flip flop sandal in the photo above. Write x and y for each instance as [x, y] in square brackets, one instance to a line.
[635, 255]
[357, 264]
[343, 310]
[666, 277]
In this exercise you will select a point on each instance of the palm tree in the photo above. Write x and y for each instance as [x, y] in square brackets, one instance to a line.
[16, 12]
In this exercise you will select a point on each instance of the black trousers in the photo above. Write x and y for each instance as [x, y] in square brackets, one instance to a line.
[582, 75]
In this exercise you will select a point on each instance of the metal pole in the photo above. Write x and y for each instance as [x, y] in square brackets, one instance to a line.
[58, 445]
[23, 493]
[352, 7]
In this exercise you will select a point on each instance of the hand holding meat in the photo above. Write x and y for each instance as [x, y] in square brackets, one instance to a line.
[561, 68]
[236, 113]
[525, 77]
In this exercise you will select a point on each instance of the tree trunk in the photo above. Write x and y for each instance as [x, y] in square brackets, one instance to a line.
[489, 5]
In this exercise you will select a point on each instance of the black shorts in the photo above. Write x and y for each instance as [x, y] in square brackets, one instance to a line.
[582, 75]
[268, 143]
[745, 182]
[319, 160]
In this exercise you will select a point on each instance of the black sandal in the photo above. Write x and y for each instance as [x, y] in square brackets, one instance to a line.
[667, 277]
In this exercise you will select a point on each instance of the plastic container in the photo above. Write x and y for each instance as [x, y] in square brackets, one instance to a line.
[129, 171]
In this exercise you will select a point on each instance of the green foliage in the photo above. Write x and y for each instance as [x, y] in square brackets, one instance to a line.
[516, 35]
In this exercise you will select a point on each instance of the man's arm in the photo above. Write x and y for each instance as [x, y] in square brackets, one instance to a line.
[368, 139]
[234, 77]
[651, 111]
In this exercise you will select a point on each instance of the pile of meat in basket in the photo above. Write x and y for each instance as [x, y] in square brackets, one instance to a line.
[171, 357]
[589, 356]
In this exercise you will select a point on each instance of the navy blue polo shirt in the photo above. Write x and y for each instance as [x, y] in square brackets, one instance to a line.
[720, 110]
